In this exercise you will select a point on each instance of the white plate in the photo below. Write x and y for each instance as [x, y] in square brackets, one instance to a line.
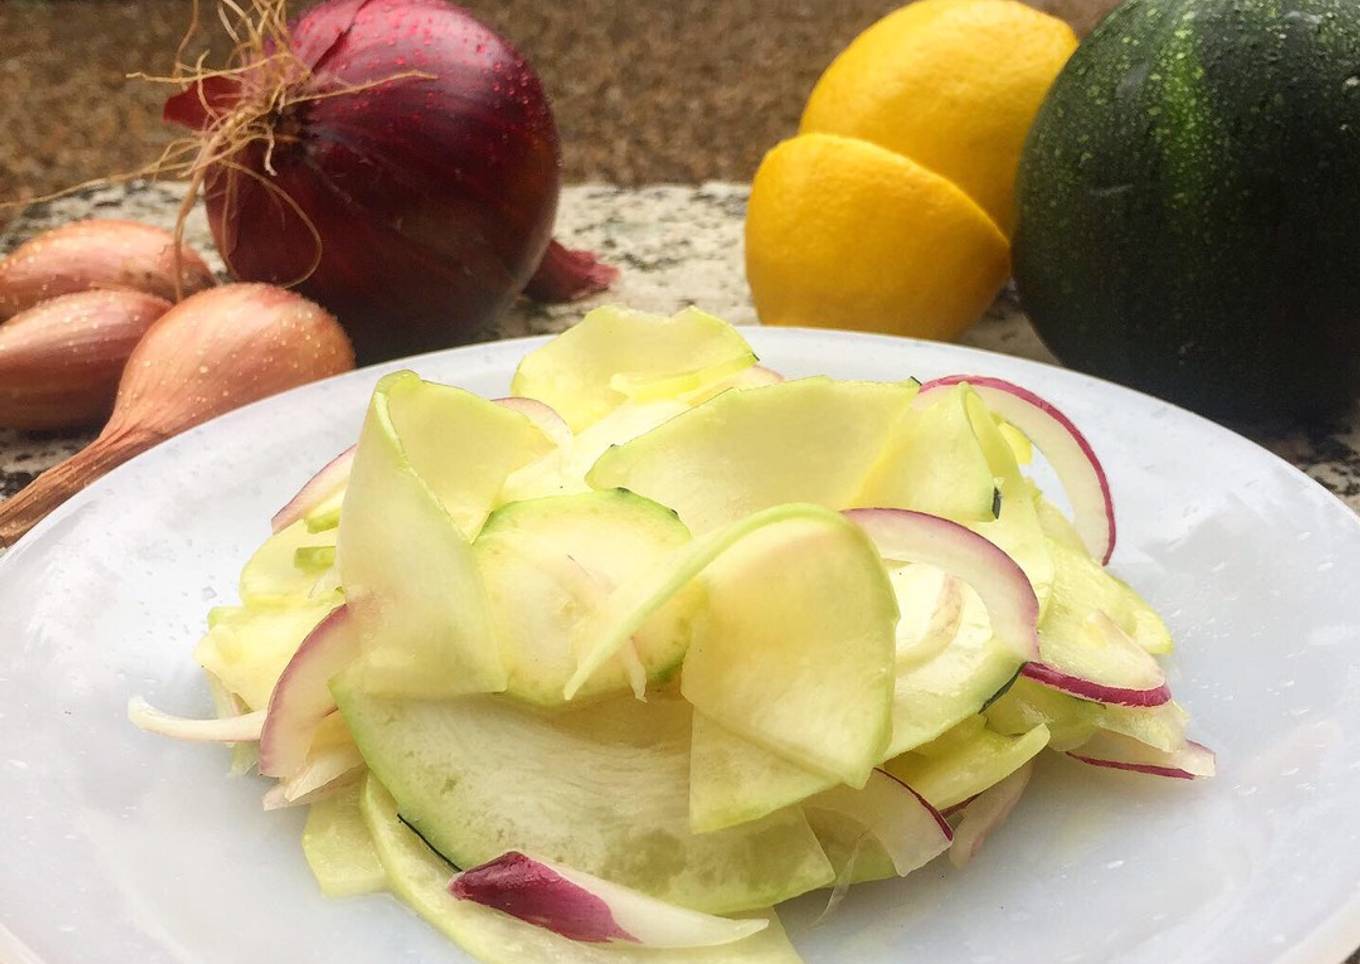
[121, 847]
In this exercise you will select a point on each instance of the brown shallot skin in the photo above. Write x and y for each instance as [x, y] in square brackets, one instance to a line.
[104, 254]
[61, 360]
[222, 349]
[213, 352]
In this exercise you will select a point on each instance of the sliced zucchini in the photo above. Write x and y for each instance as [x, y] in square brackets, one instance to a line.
[430, 462]
[734, 781]
[247, 648]
[563, 470]
[933, 463]
[578, 371]
[1016, 529]
[938, 684]
[339, 848]
[1082, 586]
[965, 761]
[1028, 704]
[956, 680]
[272, 576]
[604, 789]
[812, 440]
[795, 647]
[549, 562]
[1160, 727]
[418, 876]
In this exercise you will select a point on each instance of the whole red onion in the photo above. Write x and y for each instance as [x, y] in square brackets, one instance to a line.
[398, 160]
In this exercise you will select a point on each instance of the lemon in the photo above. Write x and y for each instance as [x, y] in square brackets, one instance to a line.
[842, 233]
[952, 84]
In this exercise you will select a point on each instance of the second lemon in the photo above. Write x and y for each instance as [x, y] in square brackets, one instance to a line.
[841, 233]
[891, 209]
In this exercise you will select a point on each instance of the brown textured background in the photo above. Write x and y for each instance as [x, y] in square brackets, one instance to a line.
[645, 91]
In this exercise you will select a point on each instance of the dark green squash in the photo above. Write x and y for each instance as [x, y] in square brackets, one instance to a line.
[1190, 205]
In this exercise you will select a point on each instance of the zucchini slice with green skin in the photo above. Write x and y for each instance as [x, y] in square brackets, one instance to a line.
[273, 576]
[1015, 530]
[603, 789]
[733, 781]
[549, 562]
[339, 848]
[943, 673]
[933, 463]
[1066, 449]
[430, 463]
[795, 648]
[812, 440]
[420, 878]
[965, 761]
[563, 470]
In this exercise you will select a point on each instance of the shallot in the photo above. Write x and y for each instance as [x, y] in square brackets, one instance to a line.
[83, 255]
[60, 361]
[215, 351]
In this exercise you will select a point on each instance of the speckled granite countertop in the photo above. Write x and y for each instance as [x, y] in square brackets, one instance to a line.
[676, 245]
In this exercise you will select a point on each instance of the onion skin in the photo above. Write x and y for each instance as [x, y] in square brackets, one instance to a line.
[433, 196]
[253, 340]
[567, 275]
[213, 352]
[60, 361]
[334, 476]
[84, 255]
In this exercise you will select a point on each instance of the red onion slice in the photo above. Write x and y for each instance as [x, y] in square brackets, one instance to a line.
[331, 479]
[544, 417]
[1107, 666]
[909, 829]
[227, 729]
[1189, 762]
[1066, 449]
[325, 773]
[302, 697]
[756, 376]
[908, 536]
[985, 812]
[1086, 689]
[582, 907]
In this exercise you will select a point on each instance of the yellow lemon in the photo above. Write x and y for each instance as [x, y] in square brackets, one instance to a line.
[842, 233]
[952, 84]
